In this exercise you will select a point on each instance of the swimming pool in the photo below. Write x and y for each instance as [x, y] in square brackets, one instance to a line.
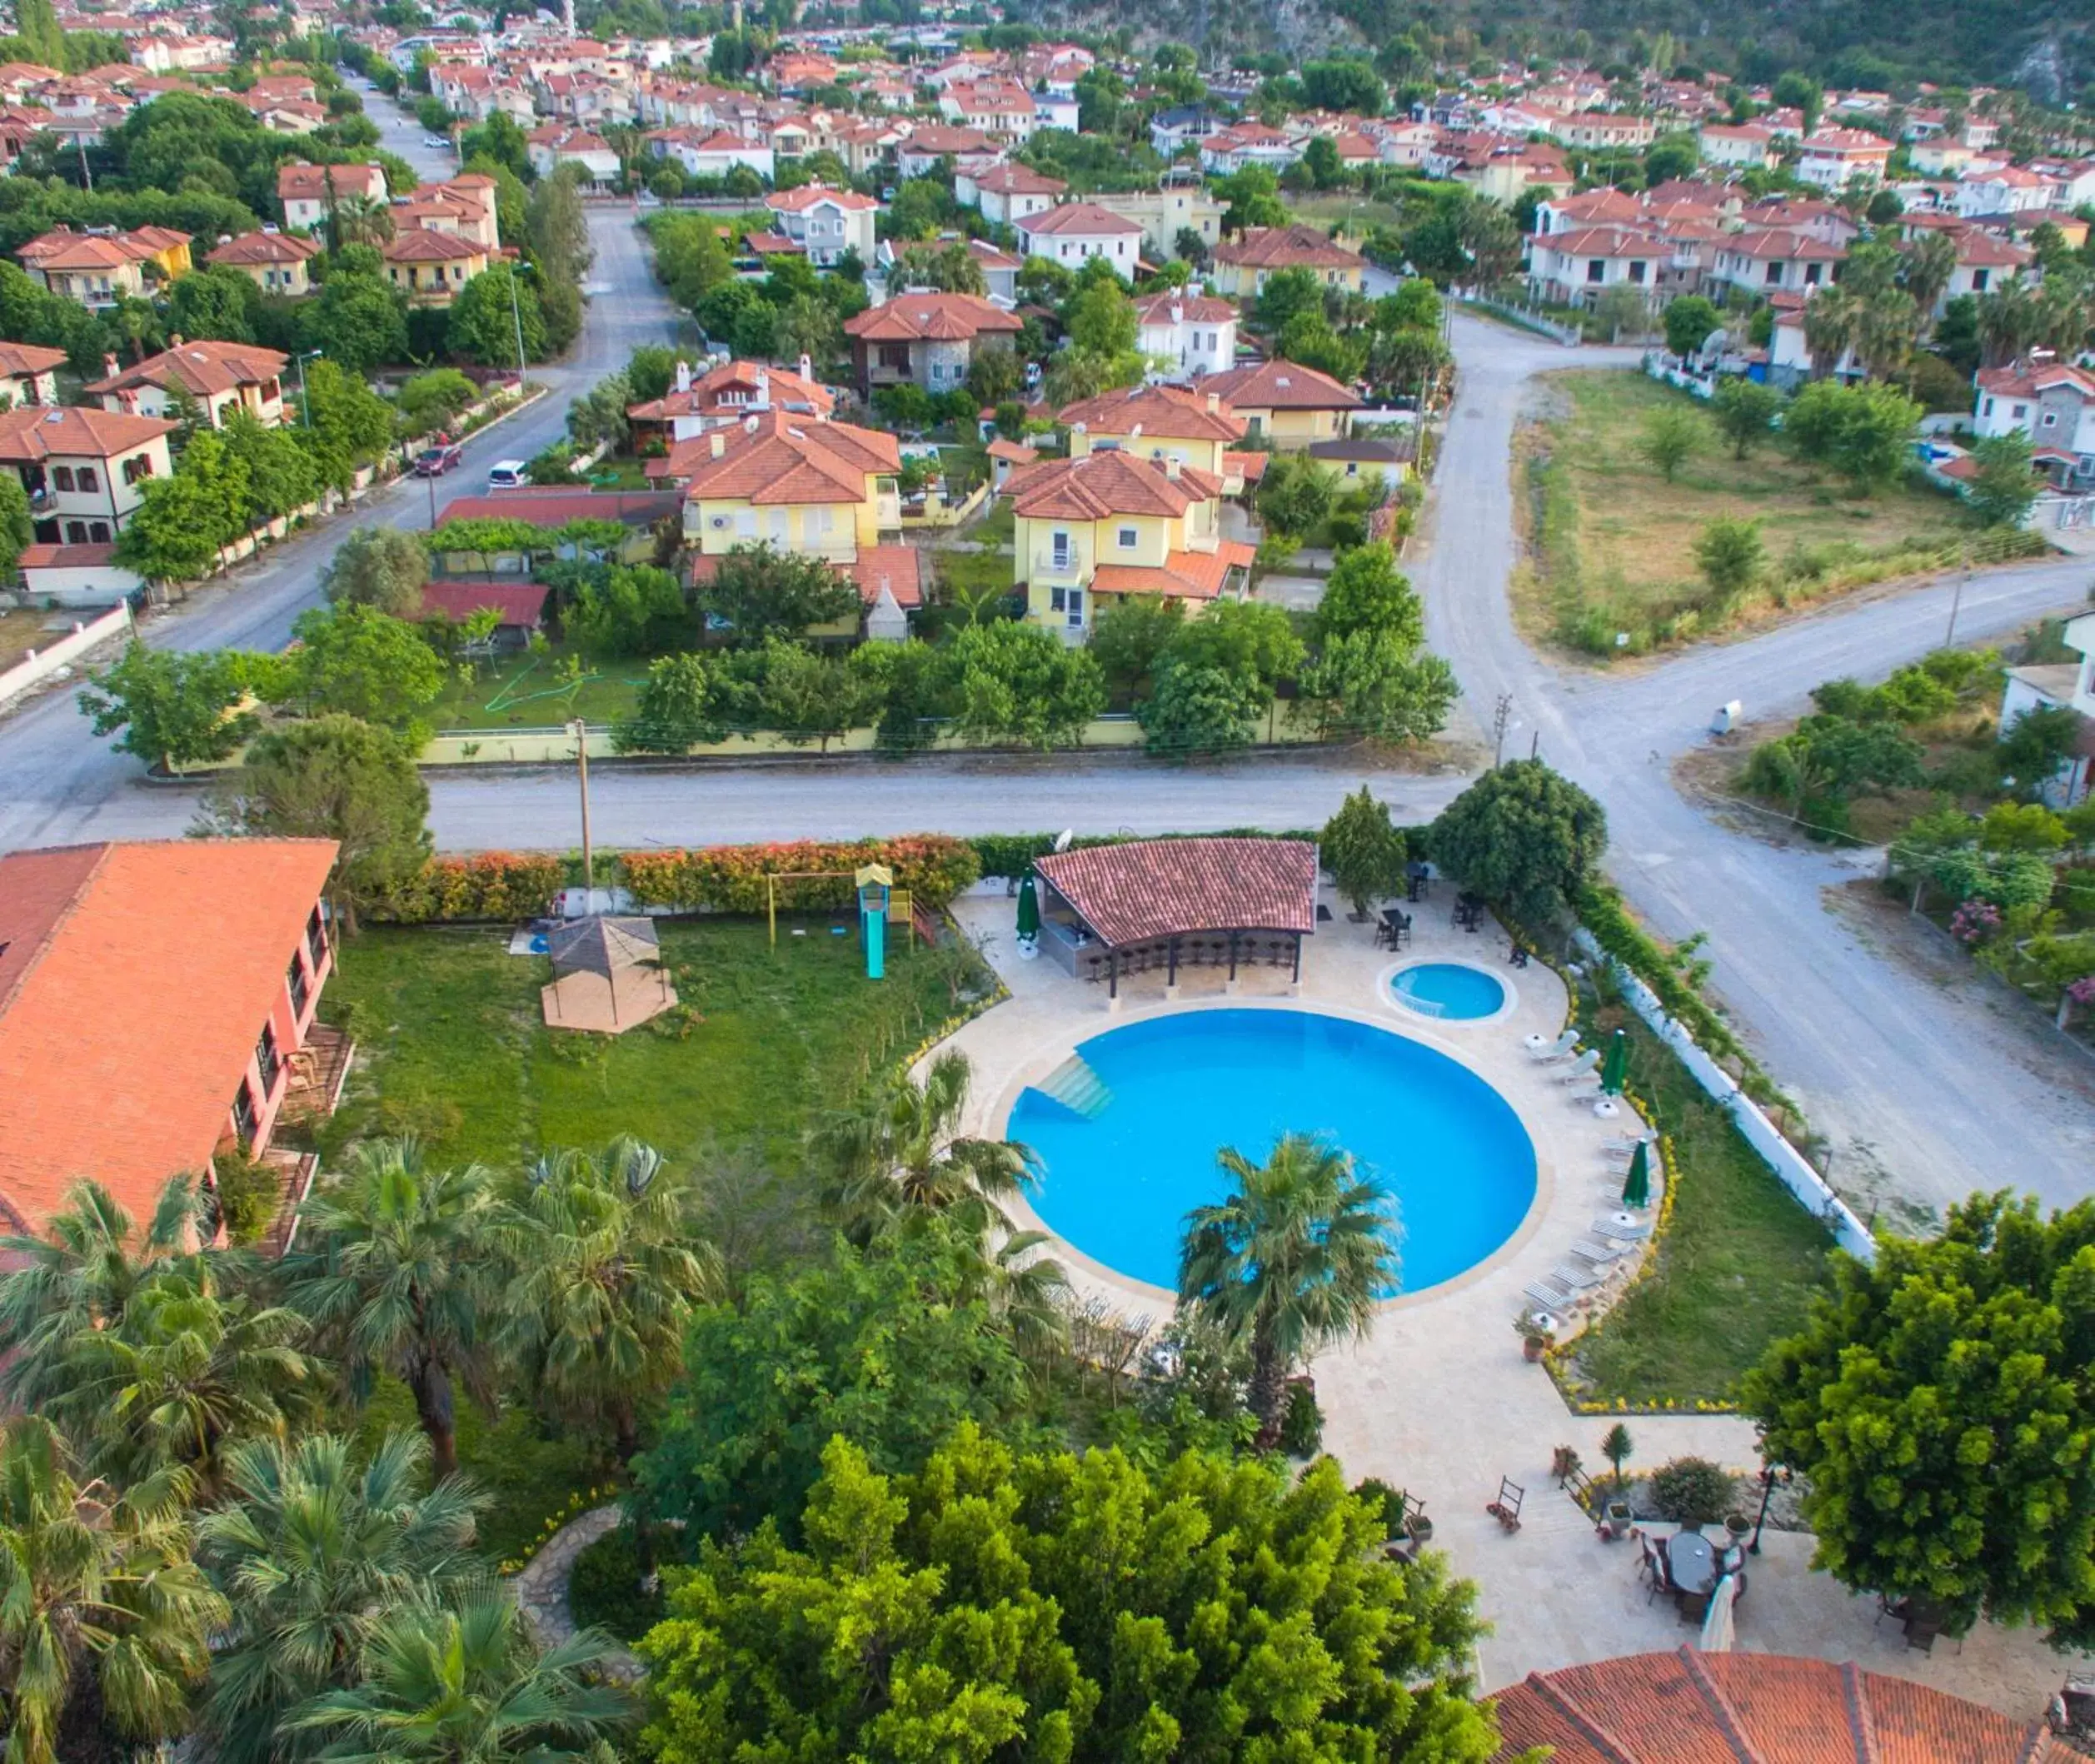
[1452, 991]
[1128, 1127]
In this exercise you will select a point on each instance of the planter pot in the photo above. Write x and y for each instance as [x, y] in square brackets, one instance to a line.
[1531, 1346]
[1421, 1529]
[1619, 1518]
[1737, 1526]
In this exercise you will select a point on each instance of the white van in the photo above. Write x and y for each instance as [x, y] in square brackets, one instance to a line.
[507, 475]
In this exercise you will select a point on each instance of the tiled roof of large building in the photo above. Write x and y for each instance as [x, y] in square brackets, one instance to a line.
[26, 358]
[1756, 1708]
[1159, 888]
[300, 183]
[811, 196]
[734, 387]
[1085, 219]
[36, 434]
[950, 318]
[1280, 386]
[1100, 485]
[775, 458]
[1170, 411]
[1178, 307]
[133, 981]
[264, 247]
[1286, 248]
[422, 245]
[201, 368]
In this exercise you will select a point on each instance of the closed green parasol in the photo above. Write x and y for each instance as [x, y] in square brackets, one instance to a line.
[1029, 908]
[1614, 1071]
[1637, 1191]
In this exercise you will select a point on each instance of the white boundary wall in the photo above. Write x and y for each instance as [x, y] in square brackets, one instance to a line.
[1789, 1165]
[38, 666]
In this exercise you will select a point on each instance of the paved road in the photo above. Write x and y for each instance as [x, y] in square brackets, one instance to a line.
[62, 785]
[1935, 1089]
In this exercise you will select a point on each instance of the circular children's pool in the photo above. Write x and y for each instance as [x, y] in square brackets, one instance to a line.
[1451, 990]
[1127, 1130]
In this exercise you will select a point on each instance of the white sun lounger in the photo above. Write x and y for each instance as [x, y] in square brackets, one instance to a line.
[1550, 1297]
[1598, 1253]
[1630, 1233]
[1575, 1278]
[1558, 1049]
[1579, 1067]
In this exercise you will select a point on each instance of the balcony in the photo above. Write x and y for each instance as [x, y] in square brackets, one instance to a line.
[318, 1072]
[1067, 566]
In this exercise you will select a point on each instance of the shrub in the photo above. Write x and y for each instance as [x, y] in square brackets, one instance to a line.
[490, 884]
[1302, 1422]
[603, 1589]
[249, 1194]
[1692, 1491]
[731, 877]
[1389, 1502]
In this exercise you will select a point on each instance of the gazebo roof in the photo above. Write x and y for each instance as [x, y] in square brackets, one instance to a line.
[602, 945]
[1160, 888]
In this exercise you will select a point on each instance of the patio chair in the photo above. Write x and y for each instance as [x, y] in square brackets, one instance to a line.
[1633, 1232]
[1574, 1276]
[1561, 1048]
[1550, 1297]
[1579, 1067]
[1600, 1254]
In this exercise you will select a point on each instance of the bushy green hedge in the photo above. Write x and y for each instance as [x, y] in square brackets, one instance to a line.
[1602, 912]
[603, 1589]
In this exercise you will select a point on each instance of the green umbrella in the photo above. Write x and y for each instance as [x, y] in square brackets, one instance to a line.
[1614, 1072]
[1637, 1191]
[1029, 908]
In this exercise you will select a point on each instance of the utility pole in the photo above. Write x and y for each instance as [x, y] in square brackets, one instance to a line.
[516, 316]
[580, 730]
[1956, 598]
[1501, 721]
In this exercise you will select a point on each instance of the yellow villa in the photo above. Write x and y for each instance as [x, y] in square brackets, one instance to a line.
[431, 268]
[1161, 422]
[1109, 523]
[1244, 263]
[1285, 405]
[826, 490]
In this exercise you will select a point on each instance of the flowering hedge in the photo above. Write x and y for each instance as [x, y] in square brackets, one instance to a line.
[729, 879]
[490, 884]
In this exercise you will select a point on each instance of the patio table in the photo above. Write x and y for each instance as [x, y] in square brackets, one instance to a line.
[1690, 1563]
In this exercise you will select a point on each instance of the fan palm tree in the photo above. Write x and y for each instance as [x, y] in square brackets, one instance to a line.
[898, 1154]
[606, 1273]
[1832, 317]
[1885, 331]
[99, 1600]
[78, 1276]
[402, 1276]
[1292, 1261]
[313, 1548]
[2065, 309]
[364, 220]
[2011, 320]
[183, 1371]
[466, 1687]
[1931, 261]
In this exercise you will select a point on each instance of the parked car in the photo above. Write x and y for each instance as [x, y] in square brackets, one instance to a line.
[436, 141]
[434, 461]
[507, 475]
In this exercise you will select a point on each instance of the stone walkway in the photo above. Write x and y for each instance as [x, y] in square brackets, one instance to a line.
[1439, 1400]
[541, 1586]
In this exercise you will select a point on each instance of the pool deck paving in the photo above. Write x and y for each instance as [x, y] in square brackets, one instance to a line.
[1438, 1400]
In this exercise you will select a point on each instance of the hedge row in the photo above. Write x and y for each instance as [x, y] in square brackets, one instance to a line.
[490, 884]
[1602, 912]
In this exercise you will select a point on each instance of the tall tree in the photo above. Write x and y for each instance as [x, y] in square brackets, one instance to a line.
[364, 662]
[312, 1547]
[402, 1277]
[99, 1603]
[1363, 851]
[1523, 835]
[380, 567]
[606, 1273]
[1292, 1261]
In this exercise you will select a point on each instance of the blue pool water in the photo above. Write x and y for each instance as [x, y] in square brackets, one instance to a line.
[1124, 1166]
[1450, 989]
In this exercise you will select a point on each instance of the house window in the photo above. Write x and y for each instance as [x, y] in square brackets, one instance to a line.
[1637, 272]
[1128, 537]
[2019, 413]
[2051, 419]
[1989, 407]
[244, 1118]
[1076, 606]
[295, 979]
[98, 532]
[266, 1058]
[1060, 551]
[62, 476]
[76, 532]
[138, 466]
[1596, 269]
[315, 938]
[1978, 281]
[87, 479]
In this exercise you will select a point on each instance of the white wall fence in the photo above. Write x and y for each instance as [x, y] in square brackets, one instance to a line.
[1791, 1167]
[1660, 366]
[38, 666]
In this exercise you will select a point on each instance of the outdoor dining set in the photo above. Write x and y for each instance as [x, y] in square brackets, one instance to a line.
[1687, 1566]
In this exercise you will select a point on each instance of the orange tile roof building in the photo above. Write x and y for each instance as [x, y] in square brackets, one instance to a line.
[306, 192]
[1284, 404]
[274, 261]
[227, 380]
[28, 373]
[431, 268]
[84, 470]
[97, 269]
[924, 339]
[157, 1001]
[726, 394]
[1244, 264]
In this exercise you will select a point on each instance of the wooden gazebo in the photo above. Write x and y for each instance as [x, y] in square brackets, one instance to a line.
[1115, 910]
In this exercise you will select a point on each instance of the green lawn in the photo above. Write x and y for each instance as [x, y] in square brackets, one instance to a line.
[1737, 1268]
[521, 691]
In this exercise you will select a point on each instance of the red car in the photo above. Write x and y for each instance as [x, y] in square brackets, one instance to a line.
[433, 462]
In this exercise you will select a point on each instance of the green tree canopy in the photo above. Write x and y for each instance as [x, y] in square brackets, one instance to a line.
[177, 706]
[758, 592]
[483, 323]
[359, 322]
[1362, 849]
[1523, 835]
[1022, 684]
[2006, 482]
[1057, 1607]
[1744, 411]
[380, 567]
[1366, 591]
[1941, 1402]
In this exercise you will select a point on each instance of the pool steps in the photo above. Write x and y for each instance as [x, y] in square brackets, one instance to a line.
[1077, 1088]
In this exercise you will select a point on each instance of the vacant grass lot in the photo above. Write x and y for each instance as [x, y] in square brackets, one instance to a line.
[1737, 1270]
[1614, 538]
[520, 690]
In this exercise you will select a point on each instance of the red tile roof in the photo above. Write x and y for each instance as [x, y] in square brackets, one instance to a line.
[775, 458]
[264, 247]
[1100, 485]
[811, 196]
[1159, 888]
[1280, 386]
[420, 245]
[950, 318]
[1184, 575]
[1287, 248]
[1086, 219]
[26, 358]
[518, 604]
[1767, 1708]
[708, 395]
[301, 182]
[134, 979]
[1170, 411]
[203, 368]
[899, 569]
[35, 434]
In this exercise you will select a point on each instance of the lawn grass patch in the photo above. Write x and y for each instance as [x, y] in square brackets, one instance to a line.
[523, 690]
[1614, 541]
[1737, 1269]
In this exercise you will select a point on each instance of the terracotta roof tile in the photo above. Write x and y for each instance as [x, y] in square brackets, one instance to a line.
[936, 317]
[1088, 219]
[263, 248]
[777, 458]
[1101, 484]
[1158, 888]
[26, 358]
[1287, 248]
[420, 245]
[1184, 575]
[1170, 411]
[1280, 386]
[36, 434]
[518, 603]
[203, 368]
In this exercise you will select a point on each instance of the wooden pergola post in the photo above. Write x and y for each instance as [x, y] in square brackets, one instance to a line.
[1113, 974]
[1233, 958]
[1171, 972]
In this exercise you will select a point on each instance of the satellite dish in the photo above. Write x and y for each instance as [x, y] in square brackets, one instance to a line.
[1062, 839]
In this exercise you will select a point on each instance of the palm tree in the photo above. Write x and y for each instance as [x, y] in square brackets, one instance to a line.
[183, 1370]
[313, 1548]
[99, 1601]
[466, 1687]
[606, 1273]
[1885, 332]
[1292, 1261]
[2065, 309]
[2011, 320]
[898, 1155]
[1832, 317]
[364, 220]
[78, 1276]
[402, 1276]
[1931, 261]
